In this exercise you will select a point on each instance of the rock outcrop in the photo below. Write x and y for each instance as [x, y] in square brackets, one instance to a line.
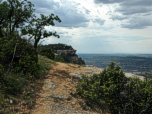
[63, 49]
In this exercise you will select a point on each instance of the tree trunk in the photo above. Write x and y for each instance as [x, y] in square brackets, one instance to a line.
[36, 55]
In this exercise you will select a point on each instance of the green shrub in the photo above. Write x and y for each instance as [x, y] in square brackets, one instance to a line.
[135, 96]
[28, 64]
[2, 80]
[79, 62]
[12, 86]
[66, 58]
[47, 53]
[25, 58]
[108, 87]
[24, 63]
[58, 58]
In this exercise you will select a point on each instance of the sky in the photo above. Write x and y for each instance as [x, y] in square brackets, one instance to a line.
[99, 26]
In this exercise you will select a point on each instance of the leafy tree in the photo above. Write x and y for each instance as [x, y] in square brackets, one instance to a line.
[20, 17]
[15, 12]
[37, 33]
[9, 12]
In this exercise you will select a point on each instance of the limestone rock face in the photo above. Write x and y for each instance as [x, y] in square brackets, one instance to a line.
[61, 49]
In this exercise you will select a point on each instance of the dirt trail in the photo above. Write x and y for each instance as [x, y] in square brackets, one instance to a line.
[58, 75]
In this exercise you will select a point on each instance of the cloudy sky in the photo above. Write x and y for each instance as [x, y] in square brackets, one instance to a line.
[99, 26]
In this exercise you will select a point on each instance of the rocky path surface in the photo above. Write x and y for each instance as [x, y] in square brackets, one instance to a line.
[55, 97]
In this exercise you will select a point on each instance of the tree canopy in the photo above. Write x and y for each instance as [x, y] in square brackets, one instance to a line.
[13, 10]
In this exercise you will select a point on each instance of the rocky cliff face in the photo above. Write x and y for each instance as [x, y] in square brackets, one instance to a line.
[63, 49]
[74, 59]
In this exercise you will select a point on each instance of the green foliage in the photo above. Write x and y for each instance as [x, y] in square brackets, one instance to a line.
[27, 62]
[79, 62]
[57, 46]
[6, 51]
[108, 87]
[59, 58]
[2, 54]
[66, 58]
[12, 86]
[2, 80]
[20, 15]
[16, 57]
[8, 84]
[45, 21]
[19, 18]
[47, 53]
[136, 96]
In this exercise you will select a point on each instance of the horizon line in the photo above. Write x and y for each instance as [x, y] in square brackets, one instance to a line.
[114, 53]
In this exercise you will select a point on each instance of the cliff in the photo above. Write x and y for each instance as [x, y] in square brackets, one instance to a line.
[63, 49]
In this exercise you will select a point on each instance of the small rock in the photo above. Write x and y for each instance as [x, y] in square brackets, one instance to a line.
[11, 101]
[46, 76]
[24, 103]
[73, 103]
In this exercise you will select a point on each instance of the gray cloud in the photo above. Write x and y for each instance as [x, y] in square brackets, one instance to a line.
[68, 15]
[116, 17]
[62, 32]
[108, 1]
[129, 9]
[75, 17]
[137, 23]
[87, 11]
[71, 19]
[101, 22]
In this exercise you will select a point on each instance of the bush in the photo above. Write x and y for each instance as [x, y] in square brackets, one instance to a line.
[129, 98]
[59, 58]
[66, 58]
[79, 62]
[24, 61]
[2, 80]
[109, 87]
[25, 58]
[12, 86]
[47, 53]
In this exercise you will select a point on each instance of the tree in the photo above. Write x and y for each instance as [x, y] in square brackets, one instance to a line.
[37, 33]
[3, 11]
[15, 12]
[9, 12]
[20, 17]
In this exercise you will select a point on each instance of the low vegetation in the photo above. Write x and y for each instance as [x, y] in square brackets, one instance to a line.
[103, 90]
[111, 88]
[17, 84]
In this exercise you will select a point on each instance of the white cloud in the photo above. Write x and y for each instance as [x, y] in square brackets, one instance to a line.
[99, 26]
